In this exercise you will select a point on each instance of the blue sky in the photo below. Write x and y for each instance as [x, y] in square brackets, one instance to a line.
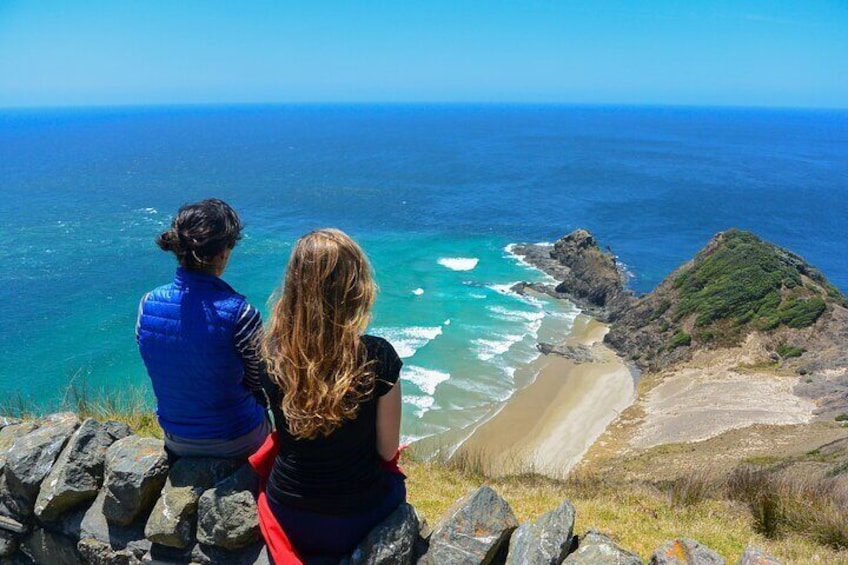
[90, 52]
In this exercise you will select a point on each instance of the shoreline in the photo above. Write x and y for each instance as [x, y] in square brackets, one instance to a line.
[549, 425]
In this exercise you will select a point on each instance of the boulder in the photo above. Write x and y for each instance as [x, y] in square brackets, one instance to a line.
[8, 421]
[685, 551]
[578, 353]
[78, 473]
[754, 556]
[391, 542]
[472, 531]
[8, 543]
[10, 433]
[173, 521]
[94, 525]
[136, 470]
[227, 515]
[45, 547]
[95, 552]
[597, 549]
[18, 558]
[11, 525]
[545, 542]
[255, 554]
[29, 460]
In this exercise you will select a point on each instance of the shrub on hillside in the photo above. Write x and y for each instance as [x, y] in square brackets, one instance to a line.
[747, 281]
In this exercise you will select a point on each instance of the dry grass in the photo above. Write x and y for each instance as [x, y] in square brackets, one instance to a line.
[783, 503]
[638, 515]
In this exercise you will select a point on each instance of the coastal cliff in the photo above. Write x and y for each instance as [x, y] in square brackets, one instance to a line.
[737, 292]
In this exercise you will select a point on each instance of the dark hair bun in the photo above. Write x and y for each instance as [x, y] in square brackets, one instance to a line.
[169, 241]
[200, 231]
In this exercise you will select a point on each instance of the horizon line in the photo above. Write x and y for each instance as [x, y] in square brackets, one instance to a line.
[165, 105]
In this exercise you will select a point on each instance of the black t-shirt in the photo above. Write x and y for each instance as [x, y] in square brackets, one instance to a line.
[340, 473]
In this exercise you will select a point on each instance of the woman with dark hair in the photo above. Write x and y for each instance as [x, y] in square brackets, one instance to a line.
[200, 340]
[336, 400]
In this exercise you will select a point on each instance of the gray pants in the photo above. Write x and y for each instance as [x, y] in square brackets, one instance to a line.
[238, 448]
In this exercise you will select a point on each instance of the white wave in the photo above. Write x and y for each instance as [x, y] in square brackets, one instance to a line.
[515, 315]
[408, 340]
[418, 291]
[423, 403]
[477, 295]
[150, 211]
[425, 379]
[487, 349]
[506, 289]
[446, 322]
[458, 263]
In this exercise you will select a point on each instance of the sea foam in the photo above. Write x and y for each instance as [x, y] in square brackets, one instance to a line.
[510, 252]
[458, 263]
[487, 349]
[407, 340]
[425, 379]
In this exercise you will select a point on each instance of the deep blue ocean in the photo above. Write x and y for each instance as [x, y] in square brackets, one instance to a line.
[435, 194]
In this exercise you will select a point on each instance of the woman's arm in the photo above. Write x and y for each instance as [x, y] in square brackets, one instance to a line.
[388, 422]
[247, 336]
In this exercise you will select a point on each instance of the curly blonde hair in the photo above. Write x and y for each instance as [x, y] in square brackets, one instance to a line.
[312, 347]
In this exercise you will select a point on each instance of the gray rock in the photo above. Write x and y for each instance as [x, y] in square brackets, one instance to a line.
[173, 521]
[472, 531]
[136, 470]
[12, 525]
[29, 460]
[95, 552]
[45, 547]
[16, 559]
[227, 515]
[255, 554]
[685, 551]
[597, 549]
[754, 556]
[8, 421]
[8, 543]
[578, 353]
[545, 542]
[8, 435]
[95, 526]
[78, 473]
[391, 542]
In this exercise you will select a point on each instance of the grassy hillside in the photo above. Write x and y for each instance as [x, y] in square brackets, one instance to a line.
[749, 282]
[641, 516]
[737, 284]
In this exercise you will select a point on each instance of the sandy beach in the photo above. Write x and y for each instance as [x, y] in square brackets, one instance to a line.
[548, 426]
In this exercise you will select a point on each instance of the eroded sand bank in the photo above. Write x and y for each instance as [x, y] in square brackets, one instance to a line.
[715, 392]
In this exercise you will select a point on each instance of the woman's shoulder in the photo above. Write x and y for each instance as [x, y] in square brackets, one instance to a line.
[377, 343]
[388, 361]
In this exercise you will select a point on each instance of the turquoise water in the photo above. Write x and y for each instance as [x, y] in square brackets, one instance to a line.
[434, 194]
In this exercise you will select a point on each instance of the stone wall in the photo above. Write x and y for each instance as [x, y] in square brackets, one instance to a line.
[88, 492]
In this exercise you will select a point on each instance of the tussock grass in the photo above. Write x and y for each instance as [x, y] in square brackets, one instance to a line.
[783, 503]
[639, 515]
[130, 406]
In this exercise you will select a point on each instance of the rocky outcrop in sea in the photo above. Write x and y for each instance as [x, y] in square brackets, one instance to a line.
[86, 492]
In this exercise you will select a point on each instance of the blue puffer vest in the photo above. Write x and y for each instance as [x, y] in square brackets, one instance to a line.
[185, 335]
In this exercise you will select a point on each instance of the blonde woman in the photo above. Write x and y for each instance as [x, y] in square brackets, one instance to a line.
[336, 400]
